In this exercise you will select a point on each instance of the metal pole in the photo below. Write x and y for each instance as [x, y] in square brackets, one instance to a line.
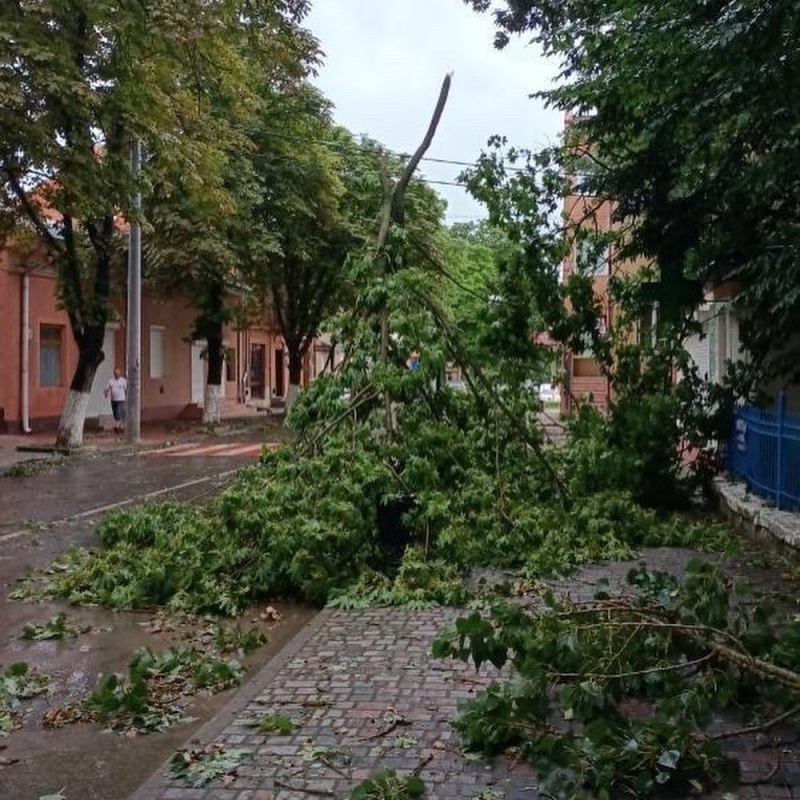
[26, 350]
[134, 321]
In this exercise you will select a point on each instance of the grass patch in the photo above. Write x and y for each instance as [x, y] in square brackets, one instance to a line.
[27, 469]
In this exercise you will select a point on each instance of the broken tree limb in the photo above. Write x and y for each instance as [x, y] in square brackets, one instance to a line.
[383, 266]
[393, 212]
[705, 636]
[766, 669]
[399, 195]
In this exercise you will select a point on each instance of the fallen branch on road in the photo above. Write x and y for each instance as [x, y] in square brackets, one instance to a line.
[616, 696]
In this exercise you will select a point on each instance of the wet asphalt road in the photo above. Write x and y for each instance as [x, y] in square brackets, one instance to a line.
[44, 514]
[40, 517]
[88, 482]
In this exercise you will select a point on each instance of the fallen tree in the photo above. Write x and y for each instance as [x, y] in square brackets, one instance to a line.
[631, 695]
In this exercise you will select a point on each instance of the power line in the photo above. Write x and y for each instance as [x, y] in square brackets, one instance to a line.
[444, 183]
[342, 145]
[448, 161]
[404, 156]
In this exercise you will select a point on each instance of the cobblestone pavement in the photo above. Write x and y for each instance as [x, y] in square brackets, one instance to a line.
[364, 694]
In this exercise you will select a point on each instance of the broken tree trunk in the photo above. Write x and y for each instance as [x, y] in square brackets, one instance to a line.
[393, 213]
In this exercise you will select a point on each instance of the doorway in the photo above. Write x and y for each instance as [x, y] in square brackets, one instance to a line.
[280, 387]
[257, 368]
[198, 373]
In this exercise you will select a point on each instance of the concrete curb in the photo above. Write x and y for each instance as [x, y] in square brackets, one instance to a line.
[34, 461]
[755, 516]
[52, 449]
[153, 786]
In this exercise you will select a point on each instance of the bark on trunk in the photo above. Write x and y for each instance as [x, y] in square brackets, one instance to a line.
[213, 395]
[73, 417]
[291, 396]
[213, 403]
[331, 360]
[295, 376]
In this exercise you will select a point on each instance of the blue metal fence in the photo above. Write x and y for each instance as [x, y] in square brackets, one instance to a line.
[764, 450]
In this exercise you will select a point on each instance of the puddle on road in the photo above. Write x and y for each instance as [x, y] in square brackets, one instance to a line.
[83, 760]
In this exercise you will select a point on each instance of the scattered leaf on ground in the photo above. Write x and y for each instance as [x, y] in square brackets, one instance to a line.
[199, 766]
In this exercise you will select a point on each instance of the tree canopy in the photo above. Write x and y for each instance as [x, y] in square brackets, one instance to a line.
[207, 242]
[79, 81]
[297, 235]
[692, 114]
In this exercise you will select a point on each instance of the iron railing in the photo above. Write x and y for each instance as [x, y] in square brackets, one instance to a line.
[764, 450]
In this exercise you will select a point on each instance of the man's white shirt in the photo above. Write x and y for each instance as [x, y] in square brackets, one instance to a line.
[118, 387]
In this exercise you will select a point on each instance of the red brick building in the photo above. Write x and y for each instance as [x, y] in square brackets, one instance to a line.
[712, 350]
[583, 377]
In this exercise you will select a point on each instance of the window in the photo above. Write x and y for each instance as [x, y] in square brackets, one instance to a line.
[587, 340]
[583, 170]
[51, 338]
[230, 364]
[156, 351]
[648, 325]
[592, 258]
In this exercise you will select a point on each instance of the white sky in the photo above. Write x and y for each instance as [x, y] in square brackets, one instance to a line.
[384, 64]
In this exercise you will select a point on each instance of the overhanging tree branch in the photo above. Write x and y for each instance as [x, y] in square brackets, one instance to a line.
[31, 213]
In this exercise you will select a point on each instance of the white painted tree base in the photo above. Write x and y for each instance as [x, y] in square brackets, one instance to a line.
[291, 396]
[73, 417]
[213, 404]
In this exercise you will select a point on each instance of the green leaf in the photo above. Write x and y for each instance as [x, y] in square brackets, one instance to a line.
[273, 724]
[669, 759]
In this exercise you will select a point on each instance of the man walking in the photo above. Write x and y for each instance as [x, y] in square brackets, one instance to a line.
[118, 390]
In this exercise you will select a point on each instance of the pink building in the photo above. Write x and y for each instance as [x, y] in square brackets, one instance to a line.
[35, 369]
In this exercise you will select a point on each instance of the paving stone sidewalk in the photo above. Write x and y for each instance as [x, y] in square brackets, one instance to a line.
[365, 694]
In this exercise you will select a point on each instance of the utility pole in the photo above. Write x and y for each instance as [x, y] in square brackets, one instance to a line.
[133, 424]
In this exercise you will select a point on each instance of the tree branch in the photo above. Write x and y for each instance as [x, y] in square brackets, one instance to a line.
[613, 676]
[399, 193]
[760, 728]
[31, 213]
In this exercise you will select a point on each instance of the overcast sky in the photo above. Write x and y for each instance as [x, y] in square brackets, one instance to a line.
[384, 64]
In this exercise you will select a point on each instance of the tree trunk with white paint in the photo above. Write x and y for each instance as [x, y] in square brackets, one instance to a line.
[213, 404]
[296, 355]
[291, 396]
[214, 391]
[73, 417]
